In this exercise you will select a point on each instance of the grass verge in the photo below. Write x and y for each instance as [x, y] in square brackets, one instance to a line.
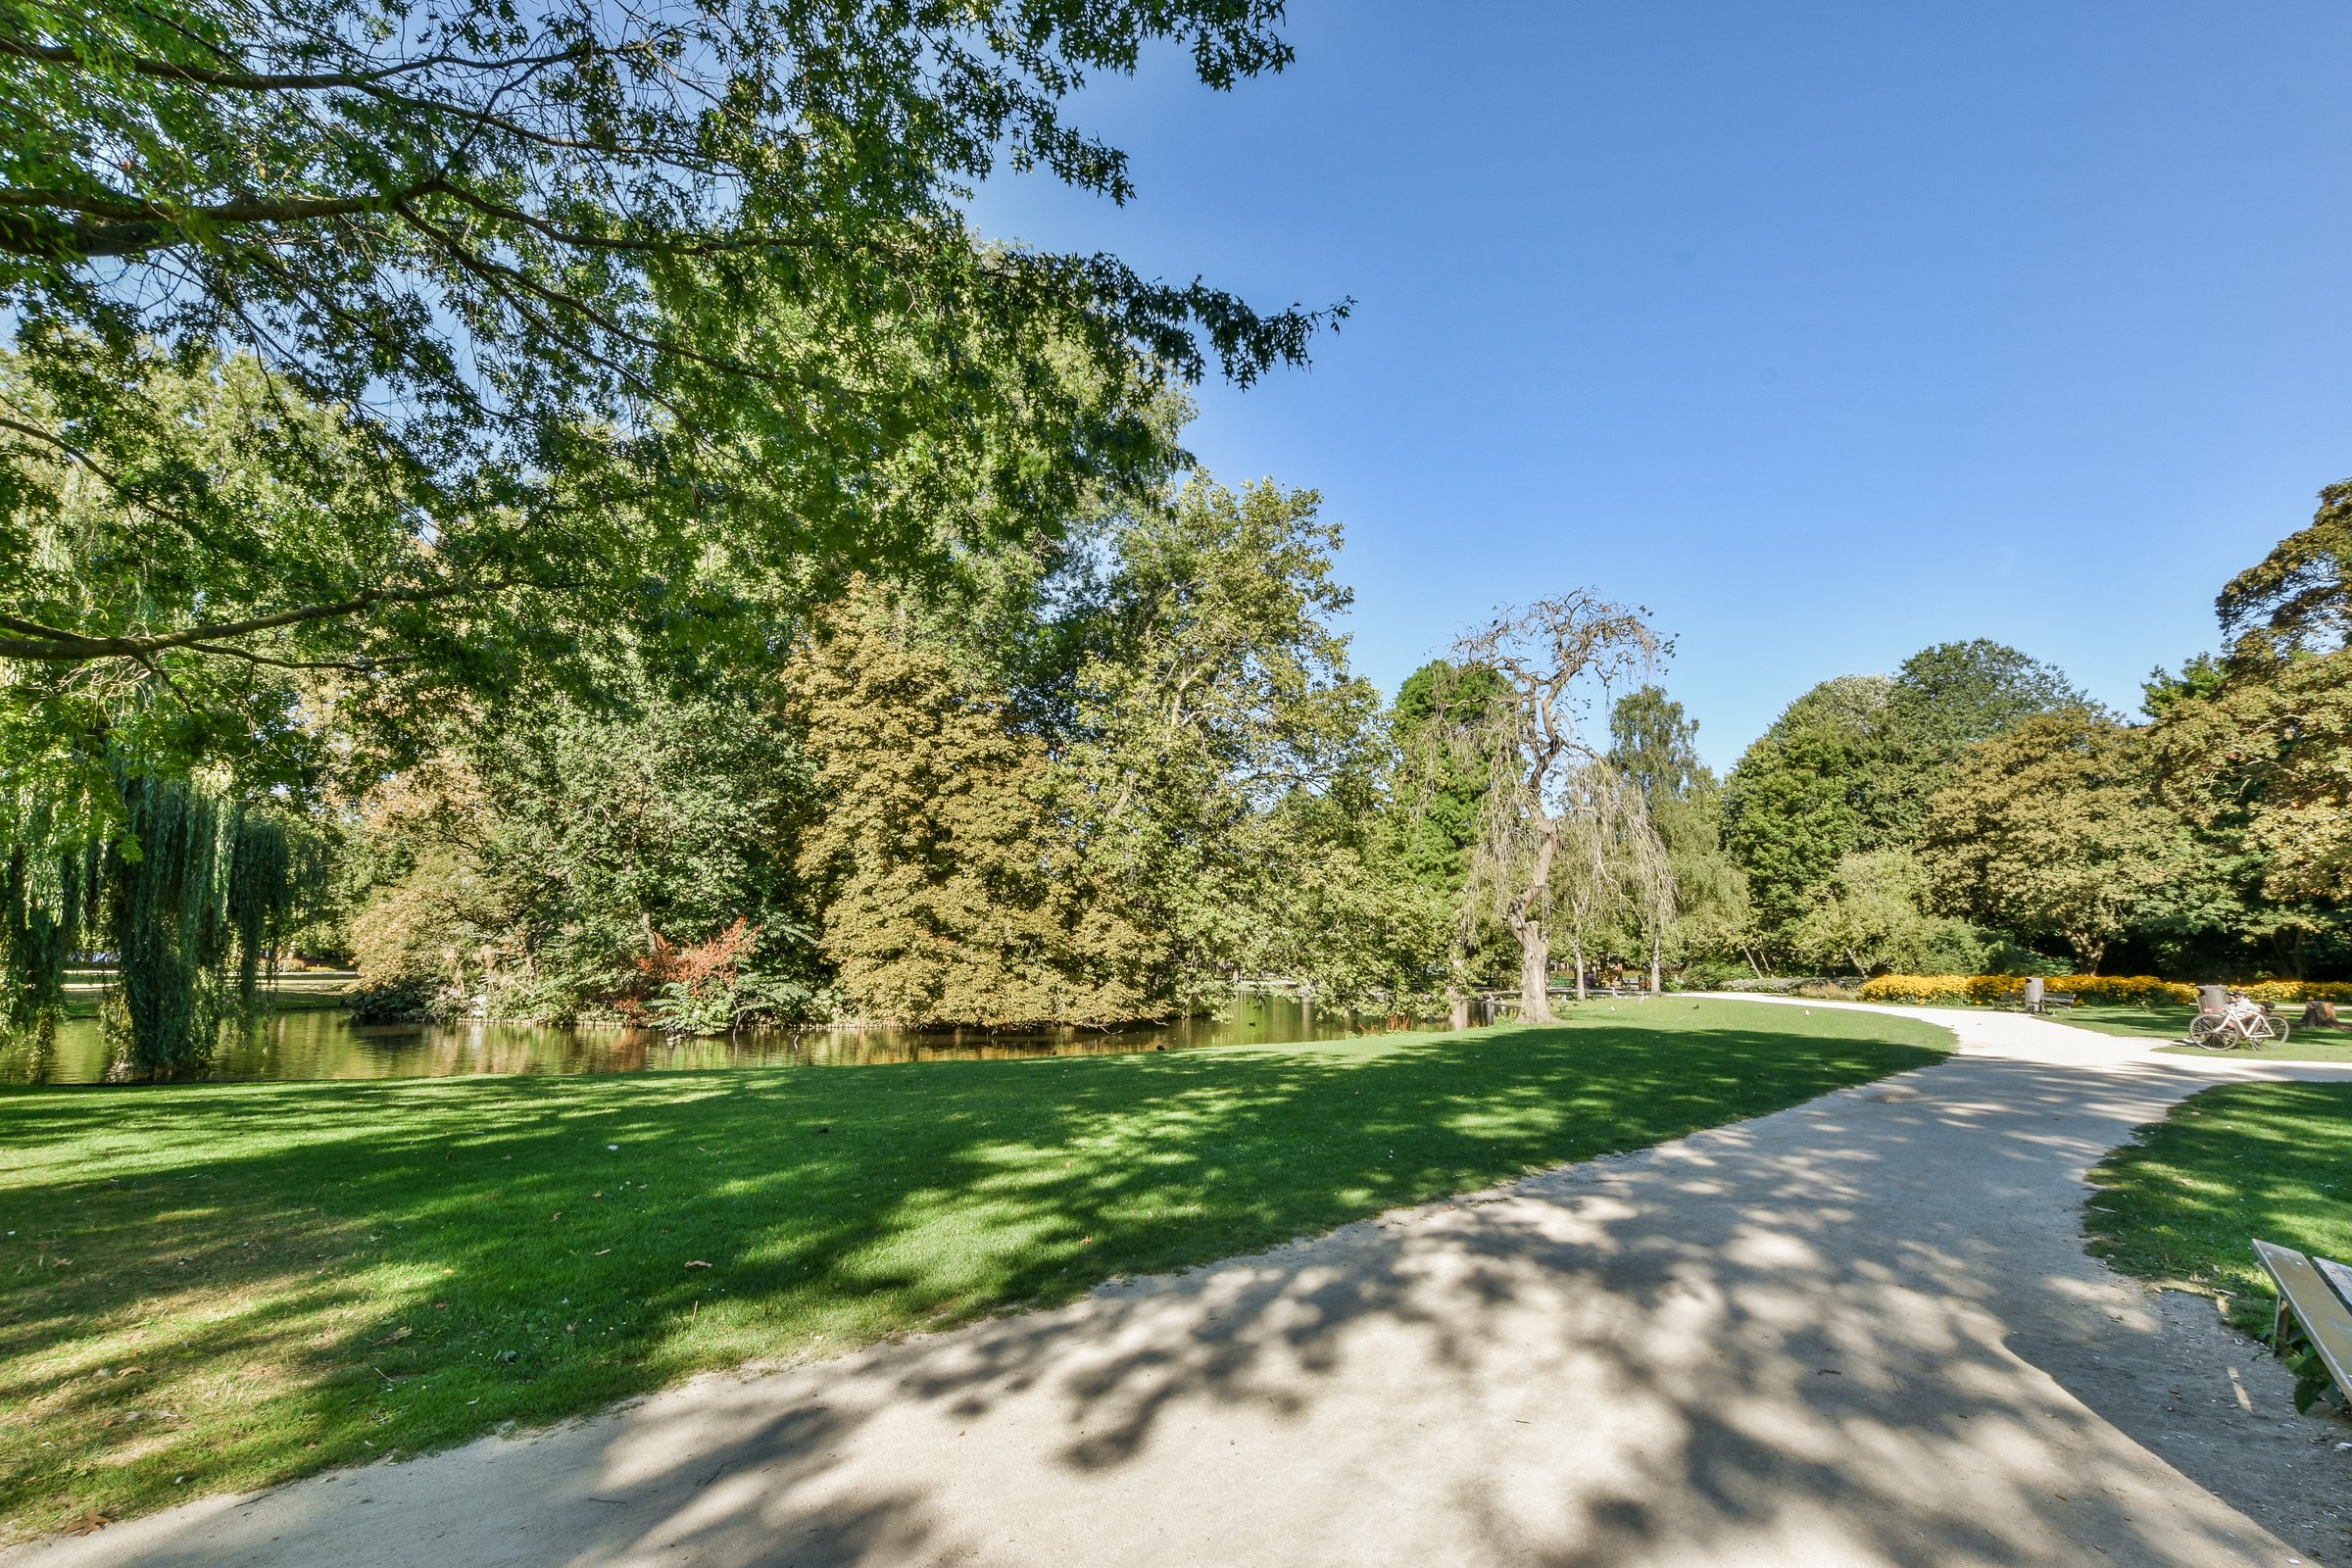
[236, 1284]
[2184, 1203]
[2170, 1025]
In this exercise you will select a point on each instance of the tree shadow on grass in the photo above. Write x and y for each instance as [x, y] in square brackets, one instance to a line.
[1845, 1336]
[315, 1274]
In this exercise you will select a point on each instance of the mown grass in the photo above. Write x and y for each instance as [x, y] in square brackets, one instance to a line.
[221, 1286]
[2185, 1200]
[2170, 1025]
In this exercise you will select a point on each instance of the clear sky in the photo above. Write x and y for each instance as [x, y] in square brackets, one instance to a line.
[1825, 331]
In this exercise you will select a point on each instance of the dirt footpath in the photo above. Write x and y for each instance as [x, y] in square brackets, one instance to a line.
[1859, 1332]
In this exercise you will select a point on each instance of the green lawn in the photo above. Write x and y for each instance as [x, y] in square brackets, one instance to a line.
[237, 1283]
[2185, 1201]
[2128, 1018]
[2171, 1024]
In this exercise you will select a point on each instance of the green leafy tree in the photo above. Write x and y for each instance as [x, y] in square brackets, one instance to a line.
[545, 857]
[1850, 765]
[1944, 699]
[2256, 746]
[2298, 598]
[2054, 830]
[1797, 803]
[193, 889]
[1436, 805]
[1655, 743]
[1870, 916]
[1216, 712]
[637, 315]
[2265, 758]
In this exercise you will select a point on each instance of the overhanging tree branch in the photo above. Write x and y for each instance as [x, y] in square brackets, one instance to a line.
[30, 640]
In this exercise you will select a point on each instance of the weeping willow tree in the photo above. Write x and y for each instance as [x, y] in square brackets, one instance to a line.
[1557, 823]
[189, 889]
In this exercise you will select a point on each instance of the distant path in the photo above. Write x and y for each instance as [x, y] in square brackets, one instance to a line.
[1859, 1332]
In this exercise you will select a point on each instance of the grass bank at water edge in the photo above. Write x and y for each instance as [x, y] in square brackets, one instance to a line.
[216, 1286]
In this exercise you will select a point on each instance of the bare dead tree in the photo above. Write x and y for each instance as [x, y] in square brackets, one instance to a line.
[1550, 824]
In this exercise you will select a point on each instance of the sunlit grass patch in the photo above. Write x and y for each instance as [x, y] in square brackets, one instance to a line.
[313, 1274]
[2185, 1201]
[2169, 1025]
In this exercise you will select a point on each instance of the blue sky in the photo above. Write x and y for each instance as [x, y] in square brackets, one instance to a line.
[1825, 331]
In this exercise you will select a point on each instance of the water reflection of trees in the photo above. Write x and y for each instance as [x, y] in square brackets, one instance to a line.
[324, 1044]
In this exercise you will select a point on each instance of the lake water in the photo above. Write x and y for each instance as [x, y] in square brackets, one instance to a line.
[324, 1043]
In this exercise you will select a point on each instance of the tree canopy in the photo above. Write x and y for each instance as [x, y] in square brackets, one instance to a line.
[1850, 765]
[2299, 596]
[2052, 830]
[613, 315]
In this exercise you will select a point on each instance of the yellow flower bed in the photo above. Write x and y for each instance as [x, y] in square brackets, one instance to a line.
[1932, 989]
[2278, 991]
[1949, 989]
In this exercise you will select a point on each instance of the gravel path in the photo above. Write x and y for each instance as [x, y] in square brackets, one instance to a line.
[1859, 1332]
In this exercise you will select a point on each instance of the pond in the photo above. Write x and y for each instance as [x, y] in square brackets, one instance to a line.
[324, 1043]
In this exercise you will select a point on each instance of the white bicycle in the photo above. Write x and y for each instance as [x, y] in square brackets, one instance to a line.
[2239, 1028]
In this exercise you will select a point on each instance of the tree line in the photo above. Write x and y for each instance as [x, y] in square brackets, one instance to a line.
[1974, 813]
[558, 503]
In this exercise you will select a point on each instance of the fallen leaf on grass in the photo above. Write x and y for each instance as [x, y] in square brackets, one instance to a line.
[396, 1336]
[698, 1264]
[88, 1524]
[602, 1251]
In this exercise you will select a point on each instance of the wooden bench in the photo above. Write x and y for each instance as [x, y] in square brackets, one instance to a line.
[2317, 1292]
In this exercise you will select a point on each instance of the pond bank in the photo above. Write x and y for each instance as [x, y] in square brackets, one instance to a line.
[314, 1042]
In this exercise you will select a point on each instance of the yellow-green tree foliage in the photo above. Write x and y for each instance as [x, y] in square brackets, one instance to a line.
[2053, 829]
[2265, 759]
[953, 850]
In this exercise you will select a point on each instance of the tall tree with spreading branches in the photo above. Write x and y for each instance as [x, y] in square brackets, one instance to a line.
[1541, 820]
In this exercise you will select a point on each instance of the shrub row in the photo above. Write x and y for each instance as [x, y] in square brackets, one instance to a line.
[1994, 988]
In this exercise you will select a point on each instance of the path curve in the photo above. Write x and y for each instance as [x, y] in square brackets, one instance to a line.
[1858, 1332]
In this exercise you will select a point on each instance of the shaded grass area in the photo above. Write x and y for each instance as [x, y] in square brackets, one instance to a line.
[2171, 1024]
[241, 1283]
[2185, 1202]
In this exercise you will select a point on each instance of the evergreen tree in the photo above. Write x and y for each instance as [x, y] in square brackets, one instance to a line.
[953, 860]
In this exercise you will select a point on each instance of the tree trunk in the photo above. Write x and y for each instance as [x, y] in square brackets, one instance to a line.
[1461, 1009]
[1535, 940]
[1658, 965]
[1576, 952]
[1535, 974]
[2088, 951]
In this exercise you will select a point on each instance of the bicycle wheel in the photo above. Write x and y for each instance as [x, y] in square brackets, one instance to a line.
[2278, 1027]
[2211, 1031]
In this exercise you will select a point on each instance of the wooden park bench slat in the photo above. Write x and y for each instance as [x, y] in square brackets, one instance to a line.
[2338, 1275]
[2306, 1293]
